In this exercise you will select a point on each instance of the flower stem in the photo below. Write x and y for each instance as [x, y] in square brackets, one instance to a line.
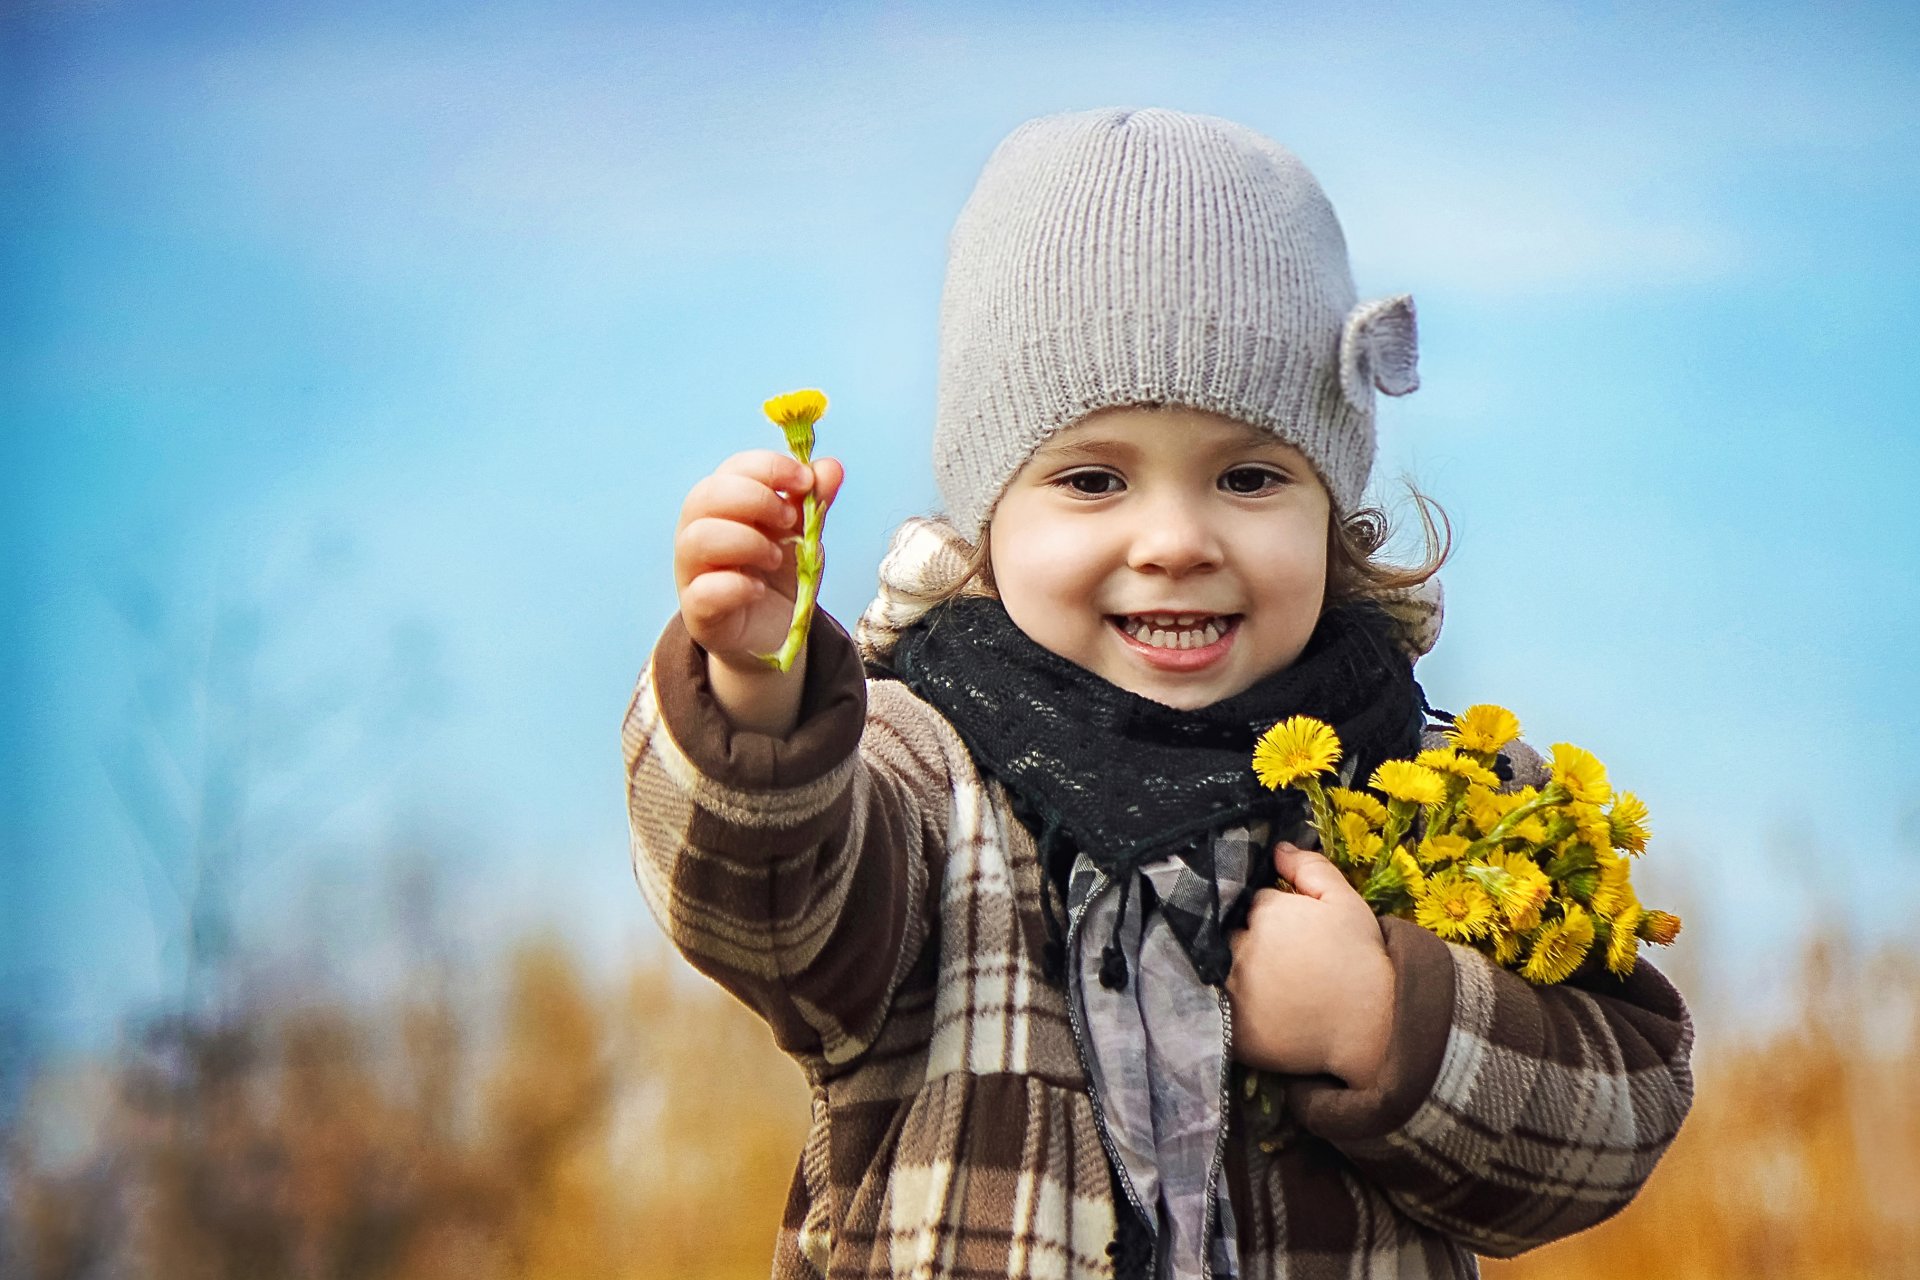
[1553, 794]
[1331, 842]
[809, 559]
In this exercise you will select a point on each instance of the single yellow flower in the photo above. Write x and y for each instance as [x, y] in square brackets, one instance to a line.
[1485, 808]
[1559, 946]
[797, 408]
[1410, 873]
[1622, 946]
[1506, 947]
[795, 413]
[1583, 776]
[1527, 888]
[1296, 748]
[1393, 876]
[1628, 822]
[1484, 728]
[1407, 781]
[1613, 894]
[1590, 821]
[1659, 927]
[1448, 848]
[1363, 842]
[1453, 906]
[1449, 761]
[1530, 830]
[1359, 802]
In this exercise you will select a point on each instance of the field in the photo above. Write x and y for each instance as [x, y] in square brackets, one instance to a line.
[649, 1129]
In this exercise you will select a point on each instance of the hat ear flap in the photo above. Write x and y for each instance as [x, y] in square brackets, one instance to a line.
[1379, 348]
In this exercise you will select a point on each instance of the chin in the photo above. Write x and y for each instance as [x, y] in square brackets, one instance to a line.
[1191, 698]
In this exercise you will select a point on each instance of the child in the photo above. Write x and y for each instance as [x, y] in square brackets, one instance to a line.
[1003, 894]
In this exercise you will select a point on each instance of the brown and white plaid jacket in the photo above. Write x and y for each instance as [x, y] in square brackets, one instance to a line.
[862, 888]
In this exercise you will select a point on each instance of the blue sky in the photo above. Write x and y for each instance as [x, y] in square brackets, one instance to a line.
[392, 339]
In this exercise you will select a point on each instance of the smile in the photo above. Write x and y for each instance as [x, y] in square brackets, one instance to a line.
[1178, 641]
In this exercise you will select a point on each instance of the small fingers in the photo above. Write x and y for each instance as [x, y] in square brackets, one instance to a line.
[775, 470]
[728, 496]
[1310, 873]
[709, 543]
[711, 606]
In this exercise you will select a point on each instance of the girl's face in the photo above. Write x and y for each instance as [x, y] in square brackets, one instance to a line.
[1178, 554]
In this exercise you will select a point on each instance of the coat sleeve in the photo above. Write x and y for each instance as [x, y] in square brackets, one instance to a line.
[792, 870]
[1511, 1114]
[1508, 1114]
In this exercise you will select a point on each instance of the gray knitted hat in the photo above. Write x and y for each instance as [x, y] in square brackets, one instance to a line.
[1120, 257]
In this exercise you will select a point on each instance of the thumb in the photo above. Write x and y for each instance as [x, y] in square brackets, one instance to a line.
[827, 475]
[1309, 872]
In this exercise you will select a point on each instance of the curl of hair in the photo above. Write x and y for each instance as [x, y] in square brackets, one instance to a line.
[1355, 567]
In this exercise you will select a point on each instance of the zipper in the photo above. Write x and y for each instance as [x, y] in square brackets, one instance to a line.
[1101, 882]
[1208, 1228]
[1220, 1140]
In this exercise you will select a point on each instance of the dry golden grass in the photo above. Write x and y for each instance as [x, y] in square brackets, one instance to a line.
[1801, 1157]
[651, 1130]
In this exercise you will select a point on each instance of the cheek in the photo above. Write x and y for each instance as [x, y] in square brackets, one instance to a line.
[1296, 574]
[1041, 562]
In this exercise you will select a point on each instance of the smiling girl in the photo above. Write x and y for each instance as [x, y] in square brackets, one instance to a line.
[999, 876]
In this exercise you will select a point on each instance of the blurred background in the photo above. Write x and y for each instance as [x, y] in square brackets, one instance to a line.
[357, 358]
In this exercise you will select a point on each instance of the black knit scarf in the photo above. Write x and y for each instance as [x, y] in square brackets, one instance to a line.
[1093, 768]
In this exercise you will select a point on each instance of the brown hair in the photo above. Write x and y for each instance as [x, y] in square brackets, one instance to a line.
[1355, 569]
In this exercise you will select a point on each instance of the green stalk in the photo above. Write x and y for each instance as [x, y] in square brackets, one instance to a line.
[1331, 842]
[809, 559]
[1399, 818]
[1554, 794]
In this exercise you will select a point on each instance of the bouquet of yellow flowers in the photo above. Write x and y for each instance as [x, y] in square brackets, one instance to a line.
[1535, 878]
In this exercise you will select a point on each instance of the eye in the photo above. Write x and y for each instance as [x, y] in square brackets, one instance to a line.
[1090, 484]
[1248, 481]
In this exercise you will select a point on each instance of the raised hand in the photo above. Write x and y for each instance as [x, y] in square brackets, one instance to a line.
[733, 569]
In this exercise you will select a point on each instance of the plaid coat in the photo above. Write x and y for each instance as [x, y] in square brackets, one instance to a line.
[862, 888]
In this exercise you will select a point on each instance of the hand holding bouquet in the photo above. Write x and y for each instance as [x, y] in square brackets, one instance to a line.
[1535, 878]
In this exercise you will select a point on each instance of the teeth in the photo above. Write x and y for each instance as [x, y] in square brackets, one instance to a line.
[1174, 630]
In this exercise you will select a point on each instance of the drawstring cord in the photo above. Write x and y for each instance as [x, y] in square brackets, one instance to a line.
[1113, 960]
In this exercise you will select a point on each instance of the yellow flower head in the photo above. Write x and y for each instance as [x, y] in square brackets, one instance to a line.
[1397, 874]
[1527, 888]
[1622, 945]
[1614, 893]
[1363, 842]
[1410, 874]
[1485, 808]
[1559, 946]
[1590, 822]
[1659, 927]
[1484, 728]
[797, 408]
[1442, 848]
[1506, 947]
[796, 412]
[1530, 830]
[1405, 780]
[1296, 748]
[1584, 777]
[1447, 760]
[1453, 906]
[1358, 802]
[1627, 821]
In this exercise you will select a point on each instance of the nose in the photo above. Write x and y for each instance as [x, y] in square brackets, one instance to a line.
[1174, 538]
